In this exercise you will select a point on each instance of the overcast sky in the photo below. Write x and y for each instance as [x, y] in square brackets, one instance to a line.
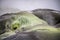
[31, 4]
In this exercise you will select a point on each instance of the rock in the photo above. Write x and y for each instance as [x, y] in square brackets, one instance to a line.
[22, 21]
[52, 17]
[35, 35]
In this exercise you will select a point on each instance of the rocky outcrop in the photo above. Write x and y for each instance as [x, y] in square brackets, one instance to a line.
[52, 17]
[21, 21]
[26, 26]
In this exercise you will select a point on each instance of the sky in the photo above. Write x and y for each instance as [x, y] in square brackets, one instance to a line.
[31, 4]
